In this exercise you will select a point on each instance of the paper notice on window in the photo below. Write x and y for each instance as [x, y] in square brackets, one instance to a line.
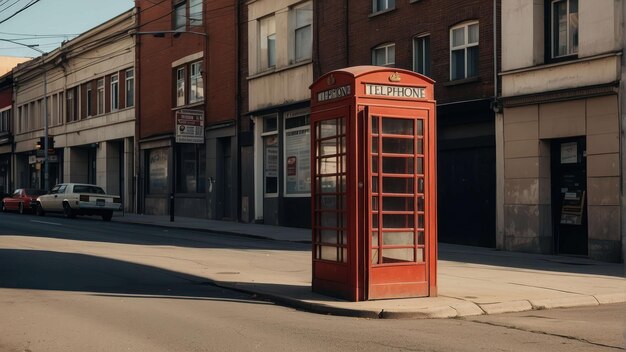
[569, 153]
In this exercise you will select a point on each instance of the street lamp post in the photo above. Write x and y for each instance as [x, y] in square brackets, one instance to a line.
[45, 106]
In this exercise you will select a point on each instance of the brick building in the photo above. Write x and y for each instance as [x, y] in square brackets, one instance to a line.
[6, 132]
[187, 69]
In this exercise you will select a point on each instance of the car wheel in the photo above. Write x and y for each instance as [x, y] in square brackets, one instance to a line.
[107, 216]
[68, 211]
[40, 211]
[20, 208]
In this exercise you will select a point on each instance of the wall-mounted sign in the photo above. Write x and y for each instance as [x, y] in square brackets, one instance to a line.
[190, 126]
[395, 91]
[334, 93]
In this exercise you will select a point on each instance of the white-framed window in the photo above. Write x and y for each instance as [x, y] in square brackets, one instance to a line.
[89, 100]
[196, 83]
[384, 55]
[5, 117]
[382, 5]
[180, 15]
[195, 12]
[270, 155]
[115, 92]
[421, 54]
[100, 96]
[302, 17]
[130, 87]
[180, 86]
[71, 104]
[297, 154]
[564, 27]
[464, 51]
[267, 43]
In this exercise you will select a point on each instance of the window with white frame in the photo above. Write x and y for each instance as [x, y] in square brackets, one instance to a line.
[302, 16]
[384, 55]
[180, 15]
[270, 155]
[382, 5]
[421, 54]
[180, 86]
[130, 87]
[267, 43]
[71, 106]
[196, 83]
[464, 51]
[115, 92]
[5, 117]
[564, 27]
[100, 96]
[195, 12]
[297, 153]
[89, 100]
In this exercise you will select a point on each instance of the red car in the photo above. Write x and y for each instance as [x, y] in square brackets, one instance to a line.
[22, 200]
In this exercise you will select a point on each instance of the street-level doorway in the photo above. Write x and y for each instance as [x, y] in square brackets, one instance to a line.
[569, 195]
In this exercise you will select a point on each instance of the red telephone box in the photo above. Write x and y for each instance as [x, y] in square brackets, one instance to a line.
[373, 169]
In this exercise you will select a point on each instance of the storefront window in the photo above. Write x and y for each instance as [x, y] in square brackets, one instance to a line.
[297, 154]
[190, 168]
[157, 171]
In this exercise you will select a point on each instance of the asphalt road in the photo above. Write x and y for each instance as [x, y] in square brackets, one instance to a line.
[59, 292]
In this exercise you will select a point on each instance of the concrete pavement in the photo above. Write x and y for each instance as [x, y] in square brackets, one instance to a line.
[471, 280]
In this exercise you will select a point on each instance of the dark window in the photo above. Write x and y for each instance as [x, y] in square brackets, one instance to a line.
[190, 168]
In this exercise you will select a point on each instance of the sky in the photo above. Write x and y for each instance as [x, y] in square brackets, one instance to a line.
[47, 23]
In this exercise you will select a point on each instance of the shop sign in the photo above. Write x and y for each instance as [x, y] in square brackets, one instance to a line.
[190, 126]
[395, 91]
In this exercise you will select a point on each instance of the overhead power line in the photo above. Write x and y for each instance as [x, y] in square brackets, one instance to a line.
[20, 10]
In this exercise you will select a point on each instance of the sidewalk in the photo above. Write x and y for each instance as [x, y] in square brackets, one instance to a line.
[471, 280]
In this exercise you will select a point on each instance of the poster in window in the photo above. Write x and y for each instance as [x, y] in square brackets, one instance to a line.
[569, 153]
[157, 171]
[298, 160]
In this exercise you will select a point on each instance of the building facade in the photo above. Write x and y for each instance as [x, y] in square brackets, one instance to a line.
[275, 143]
[83, 93]
[6, 132]
[560, 160]
[187, 52]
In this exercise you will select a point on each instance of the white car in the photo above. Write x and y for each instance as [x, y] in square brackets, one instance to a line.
[74, 199]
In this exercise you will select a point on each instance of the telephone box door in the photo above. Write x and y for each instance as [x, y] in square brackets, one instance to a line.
[401, 188]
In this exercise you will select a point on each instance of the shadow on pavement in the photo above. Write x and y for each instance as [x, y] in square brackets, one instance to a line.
[55, 271]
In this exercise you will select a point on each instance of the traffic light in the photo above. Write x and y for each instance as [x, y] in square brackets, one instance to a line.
[40, 143]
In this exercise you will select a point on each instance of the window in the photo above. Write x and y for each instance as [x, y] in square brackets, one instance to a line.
[5, 117]
[190, 168]
[421, 54]
[195, 13]
[180, 86]
[89, 97]
[196, 91]
[303, 32]
[564, 23]
[130, 88]
[157, 171]
[382, 5]
[180, 16]
[270, 155]
[297, 153]
[115, 92]
[384, 55]
[267, 43]
[71, 107]
[464, 51]
[100, 95]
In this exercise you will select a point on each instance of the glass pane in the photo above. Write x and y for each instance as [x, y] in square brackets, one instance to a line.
[344, 237]
[375, 184]
[420, 204]
[328, 166]
[379, 56]
[458, 64]
[344, 164]
[398, 238]
[375, 221]
[398, 204]
[328, 202]
[391, 54]
[271, 50]
[426, 56]
[420, 146]
[344, 251]
[328, 147]
[328, 236]
[420, 238]
[458, 36]
[398, 145]
[472, 34]
[375, 256]
[328, 219]
[328, 184]
[328, 253]
[420, 165]
[420, 127]
[395, 255]
[472, 61]
[420, 221]
[328, 128]
[573, 27]
[374, 124]
[375, 203]
[375, 164]
[420, 185]
[398, 165]
[375, 145]
[304, 43]
[420, 255]
[560, 28]
[398, 185]
[375, 239]
[397, 126]
[398, 221]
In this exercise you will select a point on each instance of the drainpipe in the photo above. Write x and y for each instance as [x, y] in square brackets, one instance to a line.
[499, 134]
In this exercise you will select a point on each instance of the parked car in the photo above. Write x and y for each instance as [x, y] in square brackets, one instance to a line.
[22, 200]
[74, 199]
